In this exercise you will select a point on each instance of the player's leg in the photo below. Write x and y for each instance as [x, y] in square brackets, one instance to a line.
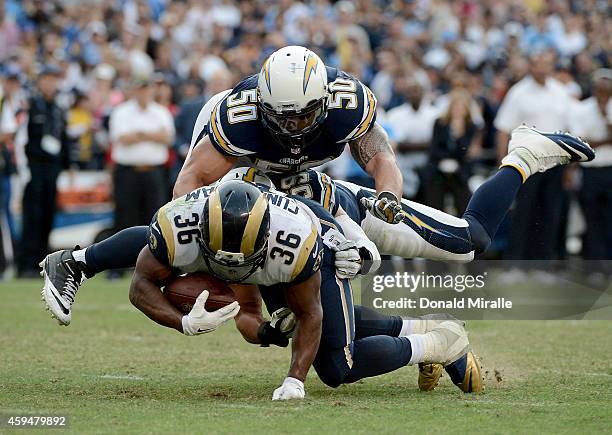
[343, 359]
[430, 233]
[65, 271]
[369, 322]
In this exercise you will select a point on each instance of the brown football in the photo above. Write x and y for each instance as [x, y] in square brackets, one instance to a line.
[183, 291]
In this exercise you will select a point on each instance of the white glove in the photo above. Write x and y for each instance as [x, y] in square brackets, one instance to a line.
[370, 257]
[292, 388]
[200, 321]
[283, 319]
[347, 259]
[385, 207]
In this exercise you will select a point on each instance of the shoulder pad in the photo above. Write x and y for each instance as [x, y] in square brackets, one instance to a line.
[234, 127]
[156, 240]
[352, 108]
[313, 185]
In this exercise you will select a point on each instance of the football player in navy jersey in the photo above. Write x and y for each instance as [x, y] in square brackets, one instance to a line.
[296, 114]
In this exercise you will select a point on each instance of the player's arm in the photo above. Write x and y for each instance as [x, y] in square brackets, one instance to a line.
[368, 252]
[145, 294]
[250, 317]
[304, 300]
[251, 323]
[374, 154]
[204, 166]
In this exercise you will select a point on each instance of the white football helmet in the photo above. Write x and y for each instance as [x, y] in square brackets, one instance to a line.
[252, 175]
[292, 96]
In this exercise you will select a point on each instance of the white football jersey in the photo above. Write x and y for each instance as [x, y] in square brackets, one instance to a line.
[294, 245]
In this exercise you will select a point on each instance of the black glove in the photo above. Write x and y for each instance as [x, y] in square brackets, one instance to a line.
[268, 335]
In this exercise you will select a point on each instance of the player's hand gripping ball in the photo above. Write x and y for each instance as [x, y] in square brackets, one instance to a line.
[206, 302]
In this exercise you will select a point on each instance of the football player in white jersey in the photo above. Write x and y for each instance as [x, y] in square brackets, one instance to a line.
[297, 113]
[238, 233]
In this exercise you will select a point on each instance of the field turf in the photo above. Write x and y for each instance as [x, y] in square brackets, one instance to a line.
[114, 371]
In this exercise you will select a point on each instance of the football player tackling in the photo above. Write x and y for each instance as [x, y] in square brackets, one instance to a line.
[296, 114]
[238, 233]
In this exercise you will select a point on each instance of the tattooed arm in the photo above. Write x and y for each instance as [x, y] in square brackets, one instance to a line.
[374, 154]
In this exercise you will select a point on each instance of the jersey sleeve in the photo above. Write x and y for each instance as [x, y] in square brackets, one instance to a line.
[160, 240]
[352, 108]
[309, 258]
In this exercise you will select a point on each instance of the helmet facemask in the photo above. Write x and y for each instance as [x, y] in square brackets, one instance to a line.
[295, 129]
[232, 266]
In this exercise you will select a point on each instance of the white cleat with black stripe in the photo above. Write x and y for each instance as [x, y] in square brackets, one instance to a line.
[63, 276]
[531, 151]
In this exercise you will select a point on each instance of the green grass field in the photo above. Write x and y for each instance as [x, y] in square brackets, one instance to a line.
[114, 371]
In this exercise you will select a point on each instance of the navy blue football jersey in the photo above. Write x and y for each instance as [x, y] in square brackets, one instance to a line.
[235, 127]
[322, 189]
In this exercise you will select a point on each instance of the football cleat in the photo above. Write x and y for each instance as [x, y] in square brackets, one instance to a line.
[63, 276]
[446, 343]
[429, 376]
[427, 322]
[466, 373]
[531, 151]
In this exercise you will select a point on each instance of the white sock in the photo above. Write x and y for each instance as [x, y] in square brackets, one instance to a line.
[412, 326]
[79, 255]
[417, 343]
[517, 162]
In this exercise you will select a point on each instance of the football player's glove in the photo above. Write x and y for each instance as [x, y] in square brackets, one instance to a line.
[277, 330]
[347, 259]
[385, 207]
[370, 257]
[283, 319]
[200, 321]
[292, 388]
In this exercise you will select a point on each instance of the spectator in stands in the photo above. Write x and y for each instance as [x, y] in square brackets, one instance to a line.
[447, 169]
[141, 132]
[411, 126]
[80, 131]
[592, 120]
[47, 153]
[8, 127]
[541, 101]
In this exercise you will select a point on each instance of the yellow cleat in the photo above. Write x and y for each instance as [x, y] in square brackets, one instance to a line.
[466, 373]
[429, 375]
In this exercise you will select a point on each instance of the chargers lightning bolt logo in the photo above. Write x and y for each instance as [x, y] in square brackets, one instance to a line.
[311, 66]
[266, 72]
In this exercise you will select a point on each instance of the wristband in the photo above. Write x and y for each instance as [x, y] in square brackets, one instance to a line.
[385, 194]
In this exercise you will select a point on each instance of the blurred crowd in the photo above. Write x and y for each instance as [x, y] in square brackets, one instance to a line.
[452, 79]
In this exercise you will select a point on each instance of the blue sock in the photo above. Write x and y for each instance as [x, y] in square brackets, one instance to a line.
[369, 322]
[119, 251]
[489, 205]
[373, 356]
